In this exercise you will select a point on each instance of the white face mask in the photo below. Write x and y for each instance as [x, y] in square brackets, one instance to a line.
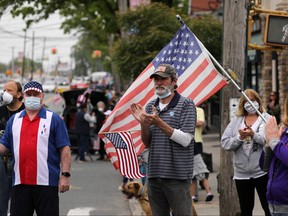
[248, 107]
[7, 98]
[32, 103]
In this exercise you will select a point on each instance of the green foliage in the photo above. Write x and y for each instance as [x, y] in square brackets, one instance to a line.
[3, 68]
[147, 35]
[84, 61]
[209, 32]
[149, 29]
[94, 20]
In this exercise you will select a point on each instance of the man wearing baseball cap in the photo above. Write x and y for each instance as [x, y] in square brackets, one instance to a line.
[167, 129]
[40, 146]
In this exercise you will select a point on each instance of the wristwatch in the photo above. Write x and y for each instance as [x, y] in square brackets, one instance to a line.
[66, 174]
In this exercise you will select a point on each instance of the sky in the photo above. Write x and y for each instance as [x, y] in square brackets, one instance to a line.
[12, 40]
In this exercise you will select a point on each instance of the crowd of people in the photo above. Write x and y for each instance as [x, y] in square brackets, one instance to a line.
[171, 130]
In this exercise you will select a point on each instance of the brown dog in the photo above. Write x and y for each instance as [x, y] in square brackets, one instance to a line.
[135, 189]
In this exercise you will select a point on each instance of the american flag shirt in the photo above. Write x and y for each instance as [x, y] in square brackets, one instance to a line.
[35, 147]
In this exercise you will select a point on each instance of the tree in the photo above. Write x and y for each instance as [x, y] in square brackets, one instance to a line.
[3, 68]
[148, 34]
[234, 58]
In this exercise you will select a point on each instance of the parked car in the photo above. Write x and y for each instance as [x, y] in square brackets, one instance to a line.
[70, 110]
[49, 85]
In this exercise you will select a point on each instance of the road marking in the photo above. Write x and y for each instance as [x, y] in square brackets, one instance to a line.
[81, 211]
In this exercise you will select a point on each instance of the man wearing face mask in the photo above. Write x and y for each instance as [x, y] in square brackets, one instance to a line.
[167, 129]
[245, 137]
[12, 99]
[38, 141]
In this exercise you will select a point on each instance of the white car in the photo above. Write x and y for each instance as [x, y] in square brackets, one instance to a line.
[49, 86]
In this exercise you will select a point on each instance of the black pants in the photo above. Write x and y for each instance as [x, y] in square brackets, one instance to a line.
[27, 198]
[246, 194]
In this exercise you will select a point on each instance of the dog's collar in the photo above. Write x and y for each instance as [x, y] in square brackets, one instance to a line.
[142, 190]
[141, 193]
[139, 196]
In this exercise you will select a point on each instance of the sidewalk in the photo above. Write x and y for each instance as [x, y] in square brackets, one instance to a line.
[211, 145]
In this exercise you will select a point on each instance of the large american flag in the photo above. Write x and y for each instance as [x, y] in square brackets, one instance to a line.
[198, 80]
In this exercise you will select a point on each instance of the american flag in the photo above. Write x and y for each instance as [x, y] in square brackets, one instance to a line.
[197, 79]
[128, 162]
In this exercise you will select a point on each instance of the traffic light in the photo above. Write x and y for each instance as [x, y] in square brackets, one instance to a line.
[96, 54]
[276, 32]
[53, 50]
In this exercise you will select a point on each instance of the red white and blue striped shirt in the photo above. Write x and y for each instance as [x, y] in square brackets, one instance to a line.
[35, 146]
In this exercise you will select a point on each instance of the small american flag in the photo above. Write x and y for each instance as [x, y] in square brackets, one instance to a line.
[123, 144]
[197, 79]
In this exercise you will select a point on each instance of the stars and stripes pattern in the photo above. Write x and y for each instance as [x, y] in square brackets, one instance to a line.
[123, 144]
[33, 85]
[197, 79]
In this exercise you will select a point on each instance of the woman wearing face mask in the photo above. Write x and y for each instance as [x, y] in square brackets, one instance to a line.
[245, 136]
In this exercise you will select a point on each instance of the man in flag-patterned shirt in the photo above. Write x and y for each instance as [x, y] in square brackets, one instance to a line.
[40, 147]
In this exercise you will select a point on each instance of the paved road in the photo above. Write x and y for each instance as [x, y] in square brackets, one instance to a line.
[94, 190]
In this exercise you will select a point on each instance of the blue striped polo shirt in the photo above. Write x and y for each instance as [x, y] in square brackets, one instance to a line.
[168, 159]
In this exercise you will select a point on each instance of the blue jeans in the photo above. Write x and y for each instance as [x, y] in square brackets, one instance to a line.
[170, 193]
[83, 143]
[5, 188]
[143, 171]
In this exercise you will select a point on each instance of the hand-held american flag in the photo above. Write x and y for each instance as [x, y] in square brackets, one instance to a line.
[197, 79]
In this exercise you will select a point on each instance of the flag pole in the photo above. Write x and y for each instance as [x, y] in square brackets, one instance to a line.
[225, 72]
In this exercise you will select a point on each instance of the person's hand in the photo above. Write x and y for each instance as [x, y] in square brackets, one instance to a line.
[246, 133]
[138, 112]
[152, 119]
[64, 184]
[140, 115]
[272, 131]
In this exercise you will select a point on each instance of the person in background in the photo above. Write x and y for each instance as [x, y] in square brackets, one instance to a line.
[245, 137]
[277, 141]
[200, 170]
[273, 107]
[83, 119]
[143, 164]
[100, 118]
[167, 129]
[38, 141]
[12, 99]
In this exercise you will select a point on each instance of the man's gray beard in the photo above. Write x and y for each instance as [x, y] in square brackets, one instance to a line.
[167, 92]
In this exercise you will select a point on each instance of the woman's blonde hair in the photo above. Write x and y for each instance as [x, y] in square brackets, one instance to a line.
[285, 115]
[252, 93]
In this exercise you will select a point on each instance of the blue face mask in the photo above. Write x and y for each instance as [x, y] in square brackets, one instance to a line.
[167, 94]
[32, 103]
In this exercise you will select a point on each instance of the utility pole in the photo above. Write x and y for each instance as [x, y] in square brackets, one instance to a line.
[23, 63]
[32, 58]
[13, 64]
[42, 59]
[234, 54]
